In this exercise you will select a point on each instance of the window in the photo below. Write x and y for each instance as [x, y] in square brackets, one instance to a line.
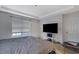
[20, 27]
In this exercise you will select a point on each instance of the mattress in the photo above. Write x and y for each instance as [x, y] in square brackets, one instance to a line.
[25, 45]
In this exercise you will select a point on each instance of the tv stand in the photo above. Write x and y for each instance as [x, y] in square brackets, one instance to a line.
[49, 39]
[49, 35]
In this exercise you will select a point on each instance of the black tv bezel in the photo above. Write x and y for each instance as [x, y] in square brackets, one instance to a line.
[50, 31]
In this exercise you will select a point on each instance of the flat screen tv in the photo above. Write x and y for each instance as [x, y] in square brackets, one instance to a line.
[50, 28]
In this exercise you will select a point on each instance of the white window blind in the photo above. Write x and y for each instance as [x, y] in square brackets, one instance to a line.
[20, 27]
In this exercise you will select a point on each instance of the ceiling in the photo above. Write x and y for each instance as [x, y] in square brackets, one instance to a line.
[39, 11]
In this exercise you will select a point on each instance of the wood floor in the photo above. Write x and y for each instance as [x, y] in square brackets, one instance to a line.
[59, 49]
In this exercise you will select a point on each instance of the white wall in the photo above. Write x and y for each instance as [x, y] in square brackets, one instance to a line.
[52, 19]
[71, 27]
[68, 28]
[35, 28]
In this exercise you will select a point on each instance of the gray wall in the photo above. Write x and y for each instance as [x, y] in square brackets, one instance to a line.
[5, 25]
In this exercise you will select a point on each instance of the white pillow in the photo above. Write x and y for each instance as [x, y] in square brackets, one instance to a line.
[73, 43]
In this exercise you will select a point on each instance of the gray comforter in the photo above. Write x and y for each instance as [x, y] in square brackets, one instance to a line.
[24, 45]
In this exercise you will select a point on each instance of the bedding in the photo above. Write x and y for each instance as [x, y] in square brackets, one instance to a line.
[25, 45]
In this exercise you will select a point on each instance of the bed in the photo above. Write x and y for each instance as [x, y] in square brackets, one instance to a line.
[25, 45]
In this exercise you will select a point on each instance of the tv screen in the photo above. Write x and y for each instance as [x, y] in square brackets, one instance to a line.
[51, 28]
